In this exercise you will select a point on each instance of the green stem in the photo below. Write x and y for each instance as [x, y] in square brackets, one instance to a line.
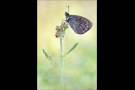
[62, 61]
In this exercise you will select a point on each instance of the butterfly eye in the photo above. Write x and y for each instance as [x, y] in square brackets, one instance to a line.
[66, 14]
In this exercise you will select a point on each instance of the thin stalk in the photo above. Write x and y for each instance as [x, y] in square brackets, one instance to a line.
[62, 61]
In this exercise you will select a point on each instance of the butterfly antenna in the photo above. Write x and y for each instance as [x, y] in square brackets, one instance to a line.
[68, 9]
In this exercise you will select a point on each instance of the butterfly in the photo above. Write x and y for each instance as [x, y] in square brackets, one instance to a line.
[79, 24]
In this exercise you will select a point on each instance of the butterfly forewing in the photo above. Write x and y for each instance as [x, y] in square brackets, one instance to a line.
[78, 23]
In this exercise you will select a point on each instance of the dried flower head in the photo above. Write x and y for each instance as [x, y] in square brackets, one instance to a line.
[61, 28]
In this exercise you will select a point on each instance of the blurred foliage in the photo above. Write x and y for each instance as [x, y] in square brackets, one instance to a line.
[80, 66]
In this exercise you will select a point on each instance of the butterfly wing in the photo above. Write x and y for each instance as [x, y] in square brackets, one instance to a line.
[79, 24]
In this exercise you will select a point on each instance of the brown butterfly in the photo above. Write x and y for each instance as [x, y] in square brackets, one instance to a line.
[79, 24]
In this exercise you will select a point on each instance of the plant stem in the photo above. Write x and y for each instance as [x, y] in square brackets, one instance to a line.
[62, 61]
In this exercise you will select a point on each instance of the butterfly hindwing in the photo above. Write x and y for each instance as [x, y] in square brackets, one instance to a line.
[79, 24]
[73, 25]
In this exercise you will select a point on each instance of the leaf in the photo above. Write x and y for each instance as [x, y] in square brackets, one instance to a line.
[53, 62]
[71, 49]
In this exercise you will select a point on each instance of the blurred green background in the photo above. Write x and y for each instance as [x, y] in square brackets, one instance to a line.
[80, 66]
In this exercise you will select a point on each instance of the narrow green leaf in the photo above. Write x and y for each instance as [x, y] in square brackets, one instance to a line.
[72, 48]
[53, 62]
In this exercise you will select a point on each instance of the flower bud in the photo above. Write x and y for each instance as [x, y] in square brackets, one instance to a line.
[61, 24]
[57, 28]
[65, 25]
[57, 34]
